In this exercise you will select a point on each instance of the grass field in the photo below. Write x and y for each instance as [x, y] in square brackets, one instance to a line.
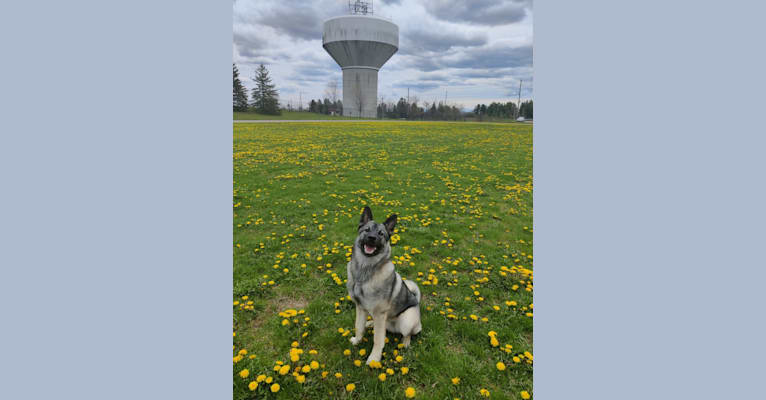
[463, 193]
[285, 115]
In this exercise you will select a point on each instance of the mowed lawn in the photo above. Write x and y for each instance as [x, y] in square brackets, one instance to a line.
[463, 193]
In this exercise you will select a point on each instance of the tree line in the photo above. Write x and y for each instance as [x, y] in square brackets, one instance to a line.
[411, 110]
[504, 110]
[326, 106]
[264, 98]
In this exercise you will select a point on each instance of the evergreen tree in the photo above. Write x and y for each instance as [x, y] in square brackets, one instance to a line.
[240, 94]
[265, 96]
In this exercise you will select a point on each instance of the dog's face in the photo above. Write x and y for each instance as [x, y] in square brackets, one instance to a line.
[373, 237]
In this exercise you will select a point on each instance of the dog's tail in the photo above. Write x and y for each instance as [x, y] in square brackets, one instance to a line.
[413, 288]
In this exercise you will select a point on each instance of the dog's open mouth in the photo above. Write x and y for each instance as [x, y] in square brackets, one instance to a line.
[369, 249]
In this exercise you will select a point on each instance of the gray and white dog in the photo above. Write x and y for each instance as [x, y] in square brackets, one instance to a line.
[377, 289]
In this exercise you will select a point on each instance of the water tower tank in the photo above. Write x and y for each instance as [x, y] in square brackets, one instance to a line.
[360, 43]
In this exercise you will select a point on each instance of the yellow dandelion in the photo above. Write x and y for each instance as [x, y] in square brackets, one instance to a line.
[338, 375]
[252, 385]
[347, 352]
[300, 378]
[525, 395]
[305, 369]
[284, 370]
[405, 370]
[389, 371]
[260, 378]
[314, 365]
[274, 388]
[500, 366]
[409, 392]
[362, 352]
[382, 377]
[350, 387]
[455, 381]
[357, 363]
[484, 392]
[244, 373]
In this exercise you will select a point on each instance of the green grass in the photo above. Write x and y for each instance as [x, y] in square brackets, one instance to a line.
[285, 115]
[463, 193]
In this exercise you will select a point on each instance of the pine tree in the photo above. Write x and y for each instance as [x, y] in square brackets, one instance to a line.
[265, 96]
[239, 93]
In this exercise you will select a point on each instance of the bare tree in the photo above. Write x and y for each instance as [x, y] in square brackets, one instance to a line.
[331, 91]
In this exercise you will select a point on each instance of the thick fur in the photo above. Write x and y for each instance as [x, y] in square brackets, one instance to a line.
[378, 290]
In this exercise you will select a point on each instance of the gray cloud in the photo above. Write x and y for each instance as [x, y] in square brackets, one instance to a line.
[482, 12]
[298, 23]
[419, 41]
[492, 57]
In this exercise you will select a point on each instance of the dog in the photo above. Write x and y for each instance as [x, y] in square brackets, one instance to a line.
[377, 289]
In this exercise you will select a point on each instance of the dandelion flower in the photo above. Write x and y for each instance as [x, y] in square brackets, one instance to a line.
[405, 370]
[484, 392]
[244, 373]
[314, 365]
[409, 392]
[274, 388]
[252, 385]
[338, 375]
[305, 369]
[362, 352]
[455, 381]
[500, 366]
[382, 377]
[269, 379]
[284, 370]
[399, 358]
[347, 352]
[516, 359]
[389, 371]
[525, 395]
[357, 363]
[350, 387]
[260, 378]
[300, 378]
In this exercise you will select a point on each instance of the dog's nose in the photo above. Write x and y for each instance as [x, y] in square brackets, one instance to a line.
[371, 238]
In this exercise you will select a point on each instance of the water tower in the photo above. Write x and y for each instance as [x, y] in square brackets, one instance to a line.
[360, 43]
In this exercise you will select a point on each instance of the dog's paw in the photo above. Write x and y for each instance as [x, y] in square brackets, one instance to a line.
[373, 361]
[355, 341]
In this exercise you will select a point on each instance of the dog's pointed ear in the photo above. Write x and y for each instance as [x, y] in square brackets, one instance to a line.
[390, 224]
[366, 217]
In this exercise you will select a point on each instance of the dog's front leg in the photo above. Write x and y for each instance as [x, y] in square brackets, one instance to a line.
[361, 317]
[379, 324]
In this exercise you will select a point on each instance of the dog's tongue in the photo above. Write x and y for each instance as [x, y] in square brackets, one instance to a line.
[369, 249]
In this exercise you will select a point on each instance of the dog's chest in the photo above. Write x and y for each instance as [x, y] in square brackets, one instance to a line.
[366, 286]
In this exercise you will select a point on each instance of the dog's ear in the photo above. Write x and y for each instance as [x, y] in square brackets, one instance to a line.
[390, 224]
[366, 217]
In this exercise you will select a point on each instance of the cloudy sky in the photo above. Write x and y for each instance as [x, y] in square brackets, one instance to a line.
[476, 50]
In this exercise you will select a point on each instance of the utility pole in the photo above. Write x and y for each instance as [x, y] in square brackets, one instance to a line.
[518, 106]
[300, 101]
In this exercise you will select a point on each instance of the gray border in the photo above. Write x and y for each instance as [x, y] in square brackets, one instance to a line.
[649, 214]
[115, 157]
